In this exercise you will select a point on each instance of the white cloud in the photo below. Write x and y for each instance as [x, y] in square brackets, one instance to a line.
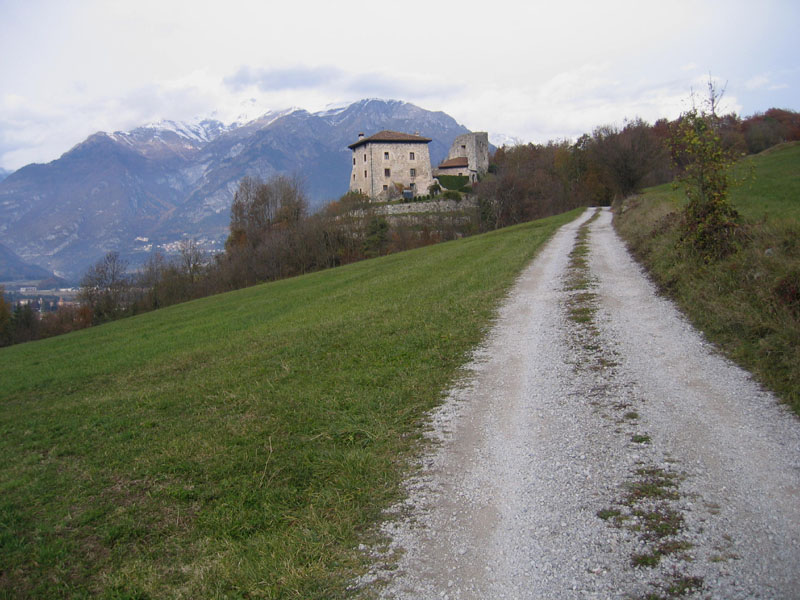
[533, 70]
[573, 103]
[764, 82]
[756, 83]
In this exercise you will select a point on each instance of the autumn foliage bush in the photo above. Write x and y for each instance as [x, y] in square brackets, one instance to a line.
[711, 225]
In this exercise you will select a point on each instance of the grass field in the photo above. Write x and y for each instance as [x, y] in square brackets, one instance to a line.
[748, 303]
[242, 445]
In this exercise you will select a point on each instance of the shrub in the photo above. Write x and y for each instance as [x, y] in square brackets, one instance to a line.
[711, 224]
[787, 291]
[453, 182]
[452, 195]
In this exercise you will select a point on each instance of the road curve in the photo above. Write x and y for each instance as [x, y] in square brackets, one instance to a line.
[598, 448]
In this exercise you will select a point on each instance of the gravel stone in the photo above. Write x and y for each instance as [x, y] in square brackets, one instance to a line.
[538, 439]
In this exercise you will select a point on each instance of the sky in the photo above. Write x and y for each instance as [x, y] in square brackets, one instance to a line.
[529, 69]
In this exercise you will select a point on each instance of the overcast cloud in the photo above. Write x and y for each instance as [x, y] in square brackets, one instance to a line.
[533, 70]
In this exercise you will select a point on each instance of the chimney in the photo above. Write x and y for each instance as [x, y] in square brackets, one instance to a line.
[361, 135]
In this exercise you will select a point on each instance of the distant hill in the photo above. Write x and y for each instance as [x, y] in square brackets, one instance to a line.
[13, 268]
[4, 174]
[133, 191]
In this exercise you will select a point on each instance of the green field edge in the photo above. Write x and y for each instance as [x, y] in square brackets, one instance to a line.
[242, 445]
[746, 305]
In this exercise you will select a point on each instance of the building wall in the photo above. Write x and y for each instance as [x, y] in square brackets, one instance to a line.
[371, 160]
[464, 205]
[453, 171]
[475, 147]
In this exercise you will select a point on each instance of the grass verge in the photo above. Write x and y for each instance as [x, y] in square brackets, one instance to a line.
[242, 445]
[748, 303]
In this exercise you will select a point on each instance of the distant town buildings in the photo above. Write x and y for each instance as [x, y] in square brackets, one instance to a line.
[391, 164]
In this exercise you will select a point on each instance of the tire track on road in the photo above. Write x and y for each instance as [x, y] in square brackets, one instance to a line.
[598, 449]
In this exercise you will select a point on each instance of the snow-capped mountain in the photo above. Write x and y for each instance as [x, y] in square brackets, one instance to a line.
[501, 139]
[149, 187]
[199, 131]
[170, 139]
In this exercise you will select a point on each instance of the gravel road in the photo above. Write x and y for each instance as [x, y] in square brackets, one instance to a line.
[599, 448]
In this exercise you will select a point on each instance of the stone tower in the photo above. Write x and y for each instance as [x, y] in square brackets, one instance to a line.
[474, 147]
[389, 164]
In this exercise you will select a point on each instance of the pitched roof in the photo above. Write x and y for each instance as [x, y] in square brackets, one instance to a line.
[390, 136]
[458, 161]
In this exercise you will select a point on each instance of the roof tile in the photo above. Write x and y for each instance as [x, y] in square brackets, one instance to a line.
[390, 136]
[458, 161]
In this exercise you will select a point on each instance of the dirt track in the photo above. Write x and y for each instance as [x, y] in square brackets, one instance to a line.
[612, 456]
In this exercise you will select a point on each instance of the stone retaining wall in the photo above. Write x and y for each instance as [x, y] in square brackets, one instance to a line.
[432, 206]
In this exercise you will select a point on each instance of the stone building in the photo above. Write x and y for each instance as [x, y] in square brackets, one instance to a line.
[469, 156]
[390, 164]
[454, 166]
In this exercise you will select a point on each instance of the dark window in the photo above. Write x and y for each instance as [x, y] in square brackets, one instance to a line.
[413, 172]
[385, 156]
[410, 156]
[354, 175]
[365, 173]
[413, 186]
[365, 158]
[387, 172]
[354, 160]
[386, 187]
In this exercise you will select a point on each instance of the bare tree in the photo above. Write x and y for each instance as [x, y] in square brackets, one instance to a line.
[629, 156]
[192, 259]
[6, 336]
[266, 218]
[105, 288]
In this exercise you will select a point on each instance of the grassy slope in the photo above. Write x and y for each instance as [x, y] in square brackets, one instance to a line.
[737, 302]
[240, 445]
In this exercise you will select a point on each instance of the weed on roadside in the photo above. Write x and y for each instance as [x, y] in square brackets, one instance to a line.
[676, 586]
[747, 302]
[608, 513]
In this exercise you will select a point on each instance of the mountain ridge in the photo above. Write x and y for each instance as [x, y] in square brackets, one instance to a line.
[164, 181]
[13, 268]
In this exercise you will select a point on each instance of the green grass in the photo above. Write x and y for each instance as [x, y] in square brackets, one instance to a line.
[608, 513]
[652, 483]
[748, 303]
[242, 445]
[649, 560]
[772, 191]
[453, 182]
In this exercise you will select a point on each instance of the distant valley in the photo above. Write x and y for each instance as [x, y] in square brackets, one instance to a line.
[148, 188]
